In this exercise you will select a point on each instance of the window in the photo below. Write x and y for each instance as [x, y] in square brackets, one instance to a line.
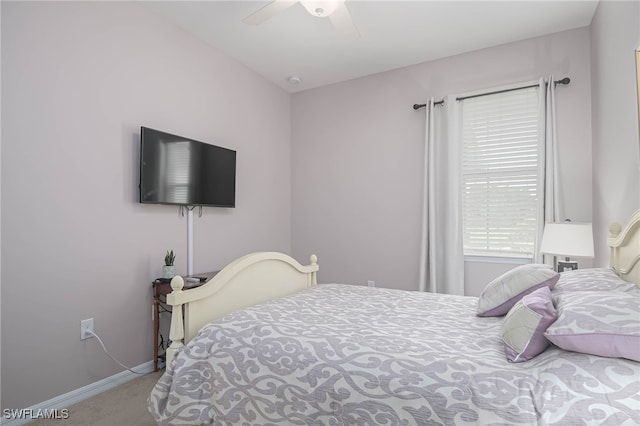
[176, 158]
[500, 173]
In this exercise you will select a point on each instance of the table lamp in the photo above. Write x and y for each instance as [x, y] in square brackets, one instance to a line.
[567, 239]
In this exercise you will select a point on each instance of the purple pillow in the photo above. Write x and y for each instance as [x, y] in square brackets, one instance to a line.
[524, 326]
[605, 323]
[502, 293]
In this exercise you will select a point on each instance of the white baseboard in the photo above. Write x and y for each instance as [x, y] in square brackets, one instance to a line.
[68, 399]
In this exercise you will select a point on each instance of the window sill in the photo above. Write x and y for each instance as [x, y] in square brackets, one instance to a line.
[497, 259]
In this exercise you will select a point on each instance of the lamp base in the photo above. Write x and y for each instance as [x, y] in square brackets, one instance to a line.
[567, 265]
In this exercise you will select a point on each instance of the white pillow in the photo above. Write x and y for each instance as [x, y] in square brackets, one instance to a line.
[502, 293]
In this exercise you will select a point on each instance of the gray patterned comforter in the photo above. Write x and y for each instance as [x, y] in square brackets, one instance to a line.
[351, 355]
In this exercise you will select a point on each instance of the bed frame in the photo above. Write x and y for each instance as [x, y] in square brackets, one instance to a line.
[251, 279]
[258, 277]
[625, 249]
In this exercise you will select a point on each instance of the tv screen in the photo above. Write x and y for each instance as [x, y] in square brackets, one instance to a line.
[181, 171]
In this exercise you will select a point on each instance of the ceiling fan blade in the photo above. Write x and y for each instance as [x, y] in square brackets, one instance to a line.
[268, 11]
[341, 20]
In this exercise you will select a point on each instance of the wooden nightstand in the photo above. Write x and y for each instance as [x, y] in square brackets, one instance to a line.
[160, 291]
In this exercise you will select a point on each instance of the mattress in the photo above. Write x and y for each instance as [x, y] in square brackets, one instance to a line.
[339, 354]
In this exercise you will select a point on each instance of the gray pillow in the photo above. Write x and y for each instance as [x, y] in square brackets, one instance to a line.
[605, 323]
[502, 293]
[590, 279]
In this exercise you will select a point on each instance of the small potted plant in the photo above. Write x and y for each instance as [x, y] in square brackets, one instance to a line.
[169, 270]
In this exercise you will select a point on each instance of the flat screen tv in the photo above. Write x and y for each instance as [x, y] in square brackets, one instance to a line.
[181, 171]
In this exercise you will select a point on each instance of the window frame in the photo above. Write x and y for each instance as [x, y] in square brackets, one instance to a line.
[488, 255]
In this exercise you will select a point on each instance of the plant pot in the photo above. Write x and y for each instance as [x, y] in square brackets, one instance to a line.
[168, 271]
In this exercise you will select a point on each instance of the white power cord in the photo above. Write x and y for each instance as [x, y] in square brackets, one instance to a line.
[107, 352]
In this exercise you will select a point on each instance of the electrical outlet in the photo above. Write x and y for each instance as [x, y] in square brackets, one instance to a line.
[86, 326]
[371, 283]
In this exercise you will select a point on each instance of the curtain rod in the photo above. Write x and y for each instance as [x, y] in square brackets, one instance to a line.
[565, 80]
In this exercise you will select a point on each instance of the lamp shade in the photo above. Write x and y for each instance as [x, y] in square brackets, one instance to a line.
[567, 239]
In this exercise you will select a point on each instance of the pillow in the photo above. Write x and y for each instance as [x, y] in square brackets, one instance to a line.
[590, 279]
[502, 293]
[524, 326]
[605, 323]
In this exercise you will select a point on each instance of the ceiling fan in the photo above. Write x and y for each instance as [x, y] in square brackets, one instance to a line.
[335, 10]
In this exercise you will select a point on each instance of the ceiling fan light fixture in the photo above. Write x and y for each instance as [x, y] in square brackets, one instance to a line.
[321, 8]
[335, 10]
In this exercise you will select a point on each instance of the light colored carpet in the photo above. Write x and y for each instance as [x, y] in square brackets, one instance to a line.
[125, 405]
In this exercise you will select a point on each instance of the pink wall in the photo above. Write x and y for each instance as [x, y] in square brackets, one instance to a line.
[615, 34]
[358, 149]
[78, 80]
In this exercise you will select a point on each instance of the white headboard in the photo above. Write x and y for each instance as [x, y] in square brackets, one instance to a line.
[248, 280]
[625, 249]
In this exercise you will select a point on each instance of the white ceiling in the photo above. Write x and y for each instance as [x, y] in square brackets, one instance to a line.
[394, 34]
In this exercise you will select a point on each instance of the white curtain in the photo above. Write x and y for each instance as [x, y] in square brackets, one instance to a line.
[441, 251]
[551, 208]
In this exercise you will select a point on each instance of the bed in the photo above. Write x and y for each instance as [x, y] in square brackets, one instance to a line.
[263, 343]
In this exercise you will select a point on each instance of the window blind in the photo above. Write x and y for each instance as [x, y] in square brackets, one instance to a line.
[500, 169]
[177, 161]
